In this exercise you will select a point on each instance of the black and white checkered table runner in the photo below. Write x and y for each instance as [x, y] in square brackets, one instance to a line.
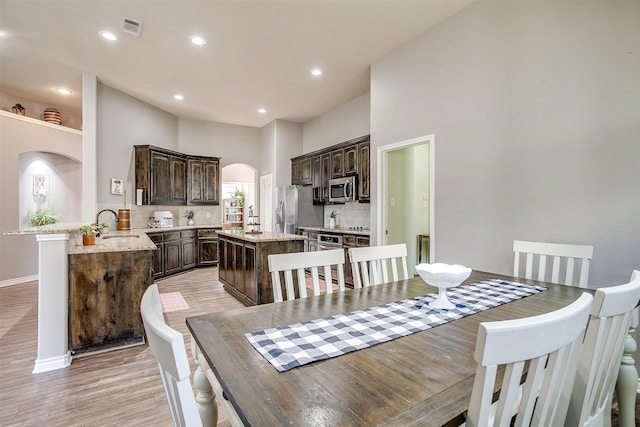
[288, 347]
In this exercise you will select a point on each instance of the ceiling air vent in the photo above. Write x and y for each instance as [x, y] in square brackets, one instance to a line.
[131, 27]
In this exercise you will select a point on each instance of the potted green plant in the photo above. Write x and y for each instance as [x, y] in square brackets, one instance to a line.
[89, 232]
[190, 214]
[45, 216]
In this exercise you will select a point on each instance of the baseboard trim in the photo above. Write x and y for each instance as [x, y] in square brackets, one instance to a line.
[18, 280]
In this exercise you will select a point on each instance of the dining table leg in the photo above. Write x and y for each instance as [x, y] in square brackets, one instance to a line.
[627, 383]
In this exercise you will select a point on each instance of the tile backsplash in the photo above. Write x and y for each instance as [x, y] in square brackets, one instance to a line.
[204, 215]
[351, 214]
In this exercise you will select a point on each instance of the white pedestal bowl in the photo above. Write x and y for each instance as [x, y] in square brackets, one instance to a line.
[442, 276]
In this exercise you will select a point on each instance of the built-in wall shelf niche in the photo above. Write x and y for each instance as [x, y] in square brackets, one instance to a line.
[39, 122]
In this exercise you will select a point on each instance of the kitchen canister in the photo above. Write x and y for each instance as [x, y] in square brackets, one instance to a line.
[124, 219]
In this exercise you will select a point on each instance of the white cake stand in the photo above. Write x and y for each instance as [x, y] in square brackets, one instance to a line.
[443, 276]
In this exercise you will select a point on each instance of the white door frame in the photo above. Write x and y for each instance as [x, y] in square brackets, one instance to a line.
[381, 186]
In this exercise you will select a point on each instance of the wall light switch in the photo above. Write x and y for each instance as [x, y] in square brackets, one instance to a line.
[208, 214]
[392, 201]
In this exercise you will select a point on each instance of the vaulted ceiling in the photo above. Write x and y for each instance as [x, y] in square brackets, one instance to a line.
[258, 54]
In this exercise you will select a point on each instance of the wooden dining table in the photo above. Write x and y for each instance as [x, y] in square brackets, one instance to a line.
[421, 379]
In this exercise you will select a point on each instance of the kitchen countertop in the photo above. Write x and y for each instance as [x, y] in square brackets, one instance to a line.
[115, 241]
[337, 230]
[265, 236]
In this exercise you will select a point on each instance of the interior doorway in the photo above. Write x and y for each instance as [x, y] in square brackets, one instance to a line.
[406, 207]
[238, 193]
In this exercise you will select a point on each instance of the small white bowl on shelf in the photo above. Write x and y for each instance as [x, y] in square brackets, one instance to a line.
[443, 276]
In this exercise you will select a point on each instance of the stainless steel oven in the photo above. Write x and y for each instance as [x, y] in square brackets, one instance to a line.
[329, 241]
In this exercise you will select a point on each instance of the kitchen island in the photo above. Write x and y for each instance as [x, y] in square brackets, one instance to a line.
[106, 283]
[243, 266]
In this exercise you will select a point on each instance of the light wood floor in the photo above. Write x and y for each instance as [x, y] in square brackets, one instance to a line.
[116, 388]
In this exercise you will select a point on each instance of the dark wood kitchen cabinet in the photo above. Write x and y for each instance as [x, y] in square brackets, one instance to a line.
[345, 159]
[171, 178]
[351, 163]
[105, 290]
[203, 185]
[243, 268]
[158, 254]
[176, 251]
[337, 163]
[364, 174]
[162, 174]
[301, 171]
[172, 253]
[189, 249]
[207, 247]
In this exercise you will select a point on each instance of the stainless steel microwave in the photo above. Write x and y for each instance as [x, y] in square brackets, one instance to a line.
[342, 189]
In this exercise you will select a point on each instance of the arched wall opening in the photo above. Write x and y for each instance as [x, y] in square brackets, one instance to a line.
[49, 180]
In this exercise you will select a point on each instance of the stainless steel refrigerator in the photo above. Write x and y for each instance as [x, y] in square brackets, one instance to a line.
[295, 208]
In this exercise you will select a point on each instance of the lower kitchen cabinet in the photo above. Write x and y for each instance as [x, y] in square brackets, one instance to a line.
[177, 251]
[189, 249]
[207, 247]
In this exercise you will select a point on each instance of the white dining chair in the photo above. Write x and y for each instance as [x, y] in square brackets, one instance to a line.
[590, 403]
[370, 265]
[549, 344]
[563, 256]
[167, 346]
[299, 262]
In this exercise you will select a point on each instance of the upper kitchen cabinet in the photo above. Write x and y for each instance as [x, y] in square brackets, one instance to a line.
[203, 184]
[321, 170]
[351, 163]
[364, 172]
[337, 163]
[345, 159]
[163, 175]
[168, 176]
[301, 171]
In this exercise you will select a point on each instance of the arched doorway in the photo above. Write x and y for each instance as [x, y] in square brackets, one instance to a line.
[238, 194]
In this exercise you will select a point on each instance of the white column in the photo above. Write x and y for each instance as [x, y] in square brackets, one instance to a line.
[53, 303]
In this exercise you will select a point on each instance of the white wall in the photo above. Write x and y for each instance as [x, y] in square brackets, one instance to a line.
[536, 113]
[124, 121]
[232, 143]
[345, 122]
[288, 145]
[17, 136]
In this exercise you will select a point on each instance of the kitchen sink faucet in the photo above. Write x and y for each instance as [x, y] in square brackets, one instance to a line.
[115, 215]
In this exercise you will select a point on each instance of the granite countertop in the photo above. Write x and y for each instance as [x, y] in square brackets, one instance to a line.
[337, 230]
[175, 228]
[59, 228]
[114, 241]
[265, 236]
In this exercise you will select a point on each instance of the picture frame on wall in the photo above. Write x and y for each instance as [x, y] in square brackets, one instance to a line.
[116, 186]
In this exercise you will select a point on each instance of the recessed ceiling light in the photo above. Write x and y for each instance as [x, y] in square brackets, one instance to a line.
[316, 72]
[108, 35]
[262, 110]
[63, 91]
[178, 97]
[197, 40]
